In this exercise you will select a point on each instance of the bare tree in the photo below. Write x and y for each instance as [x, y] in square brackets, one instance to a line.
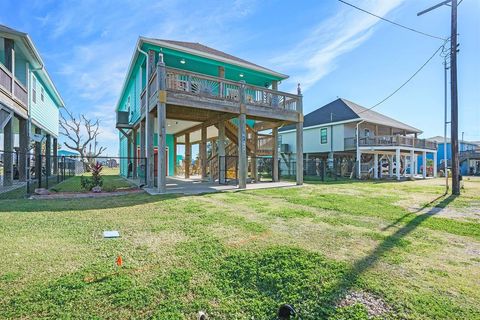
[80, 132]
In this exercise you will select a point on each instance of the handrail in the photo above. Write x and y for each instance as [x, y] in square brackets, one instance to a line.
[393, 140]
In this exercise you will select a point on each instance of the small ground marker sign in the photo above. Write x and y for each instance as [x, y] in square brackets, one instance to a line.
[111, 234]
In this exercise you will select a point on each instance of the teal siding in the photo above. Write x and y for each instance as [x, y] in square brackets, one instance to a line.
[171, 159]
[45, 112]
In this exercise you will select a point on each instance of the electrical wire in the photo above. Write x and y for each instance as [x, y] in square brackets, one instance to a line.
[392, 22]
[442, 47]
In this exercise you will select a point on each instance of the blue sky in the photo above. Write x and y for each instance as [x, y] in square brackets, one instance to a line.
[333, 50]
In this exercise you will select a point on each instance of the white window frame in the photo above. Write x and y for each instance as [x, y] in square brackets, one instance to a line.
[326, 136]
[34, 90]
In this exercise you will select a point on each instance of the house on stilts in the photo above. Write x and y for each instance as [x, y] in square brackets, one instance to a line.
[352, 141]
[184, 93]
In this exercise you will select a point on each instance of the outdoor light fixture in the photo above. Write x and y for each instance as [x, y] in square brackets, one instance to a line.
[182, 61]
[241, 75]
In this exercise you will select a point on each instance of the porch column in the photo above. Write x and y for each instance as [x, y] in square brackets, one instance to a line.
[299, 133]
[359, 163]
[242, 151]
[397, 163]
[416, 165]
[150, 165]
[129, 155]
[242, 140]
[135, 157]
[8, 153]
[412, 163]
[162, 125]
[142, 149]
[203, 152]
[55, 156]
[174, 155]
[38, 159]
[424, 164]
[221, 151]
[48, 155]
[188, 155]
[375, 165]
[23, 151]
[275, 154]
[253, 162]
[390, 166]
[435, 164]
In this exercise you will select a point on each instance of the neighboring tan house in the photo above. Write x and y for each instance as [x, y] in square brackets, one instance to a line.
[469, 155]
[29, 107]
[187, 93]
[385, 147]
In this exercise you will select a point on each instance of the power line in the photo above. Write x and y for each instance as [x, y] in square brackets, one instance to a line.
[416, 72]
[392, 22]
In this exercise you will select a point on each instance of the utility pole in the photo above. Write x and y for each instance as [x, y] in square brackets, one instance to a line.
[454, 92]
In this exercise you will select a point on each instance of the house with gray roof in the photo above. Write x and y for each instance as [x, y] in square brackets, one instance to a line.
[356, 141]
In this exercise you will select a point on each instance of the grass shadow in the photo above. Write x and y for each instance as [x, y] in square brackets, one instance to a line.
[392, 241]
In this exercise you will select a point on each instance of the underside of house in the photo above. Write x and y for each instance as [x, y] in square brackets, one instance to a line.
[352, 141]
[194, 95]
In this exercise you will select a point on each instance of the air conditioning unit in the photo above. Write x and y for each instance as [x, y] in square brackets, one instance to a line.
[285, 148]
[122, 119]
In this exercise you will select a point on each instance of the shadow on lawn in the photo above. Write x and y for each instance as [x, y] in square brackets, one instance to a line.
[82, 204]
[361, 266]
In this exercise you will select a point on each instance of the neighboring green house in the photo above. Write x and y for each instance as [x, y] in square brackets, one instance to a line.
[186, 93]
[29, 107]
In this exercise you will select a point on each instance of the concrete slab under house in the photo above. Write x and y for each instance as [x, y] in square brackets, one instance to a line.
[354, 141]
[178, 94]
[29, 108]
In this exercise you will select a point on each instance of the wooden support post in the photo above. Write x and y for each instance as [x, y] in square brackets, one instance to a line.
[162, 125]
[188, 155]
[242, 140]
[359, 163]
[275, 154]
[375, 166]
[299, 137]
[55, 156]
[38, 158]
[435, 164]
[415, 169]
[424, 164]
[397, 162]
[129, 155]
[48, 155]
[149, 132]
[23, 151]
[203, 152]
[253, 162]
[412, 163]
[221, 152]
[142, 163]
[175, 155]
[135, 157]
[8, 153]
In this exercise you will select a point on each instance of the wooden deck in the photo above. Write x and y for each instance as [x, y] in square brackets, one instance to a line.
[11, 87]
[390, 141]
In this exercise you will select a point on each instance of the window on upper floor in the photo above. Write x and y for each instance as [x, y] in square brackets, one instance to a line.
[42, 94]
[323, 136]
[34, 90]
[367, 132]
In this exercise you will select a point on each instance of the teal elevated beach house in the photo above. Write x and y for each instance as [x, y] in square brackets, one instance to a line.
[29, 106]
[187, 93]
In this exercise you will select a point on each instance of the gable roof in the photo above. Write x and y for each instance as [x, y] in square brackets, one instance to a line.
[208, 52]
[35, 59]
[343, 110]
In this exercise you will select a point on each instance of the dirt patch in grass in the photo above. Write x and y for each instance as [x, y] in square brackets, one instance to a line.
[375, 306]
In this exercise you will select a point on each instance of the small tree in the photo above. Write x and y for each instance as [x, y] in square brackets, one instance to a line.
[80, 132]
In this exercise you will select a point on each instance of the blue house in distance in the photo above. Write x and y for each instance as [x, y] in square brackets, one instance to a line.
[464, 147]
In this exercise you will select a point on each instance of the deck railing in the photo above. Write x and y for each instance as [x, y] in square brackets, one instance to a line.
[200, 85]
[19, 92]
[264, 143]
[390, 140]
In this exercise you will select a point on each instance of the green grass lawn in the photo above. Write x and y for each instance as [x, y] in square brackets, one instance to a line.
[112, 181]
[240, 255]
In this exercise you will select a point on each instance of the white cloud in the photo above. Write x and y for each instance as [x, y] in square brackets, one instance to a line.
[315, 56]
